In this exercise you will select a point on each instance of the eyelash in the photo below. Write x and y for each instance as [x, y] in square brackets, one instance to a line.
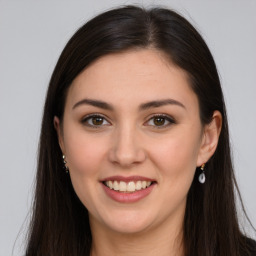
[166, 118]
[90, 117]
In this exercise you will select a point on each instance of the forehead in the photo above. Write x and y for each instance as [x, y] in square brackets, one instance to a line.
[141, 75]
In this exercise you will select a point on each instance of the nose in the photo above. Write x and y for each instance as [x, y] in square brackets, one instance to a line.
[126, 148]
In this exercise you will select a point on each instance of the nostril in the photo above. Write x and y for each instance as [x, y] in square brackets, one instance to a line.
[127, 159]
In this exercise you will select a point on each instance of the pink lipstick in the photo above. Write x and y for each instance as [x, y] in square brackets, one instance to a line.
[128, 189]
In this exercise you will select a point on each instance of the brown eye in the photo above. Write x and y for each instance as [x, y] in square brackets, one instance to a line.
[95, 121]
[159, 121]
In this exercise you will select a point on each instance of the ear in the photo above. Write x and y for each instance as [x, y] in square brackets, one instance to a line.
[57, 126]
[210, 138]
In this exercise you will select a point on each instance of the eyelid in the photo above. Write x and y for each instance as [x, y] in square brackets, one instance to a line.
[169, 118]
[87, 117]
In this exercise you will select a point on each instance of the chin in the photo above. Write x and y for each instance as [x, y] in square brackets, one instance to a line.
[127, 222]
[130, 227]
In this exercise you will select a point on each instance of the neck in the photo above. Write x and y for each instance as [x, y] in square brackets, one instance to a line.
[164, 240]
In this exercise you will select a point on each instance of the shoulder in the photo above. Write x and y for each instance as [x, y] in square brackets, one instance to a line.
[251, 247]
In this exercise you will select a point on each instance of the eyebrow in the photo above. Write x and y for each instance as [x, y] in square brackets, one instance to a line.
[144, 106]
[160, 103]
[95, 103]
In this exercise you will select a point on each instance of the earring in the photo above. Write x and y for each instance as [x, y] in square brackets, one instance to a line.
[65, 163]
[201, 177]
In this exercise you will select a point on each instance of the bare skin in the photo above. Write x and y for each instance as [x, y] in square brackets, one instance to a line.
[135, 114]
[164, 240]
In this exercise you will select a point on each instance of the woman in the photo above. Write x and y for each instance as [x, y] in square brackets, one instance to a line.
[135, 115]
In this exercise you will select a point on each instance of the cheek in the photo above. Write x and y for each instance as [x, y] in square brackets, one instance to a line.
[84, 153]
[176, 162]
[84, 156]
[176, 157]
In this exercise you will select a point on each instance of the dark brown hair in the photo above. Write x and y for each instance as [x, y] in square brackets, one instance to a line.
[60, 224]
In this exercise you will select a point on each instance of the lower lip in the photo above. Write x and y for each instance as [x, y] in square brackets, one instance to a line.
[129, 197]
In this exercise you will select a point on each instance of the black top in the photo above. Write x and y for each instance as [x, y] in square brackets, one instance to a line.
[251, 247]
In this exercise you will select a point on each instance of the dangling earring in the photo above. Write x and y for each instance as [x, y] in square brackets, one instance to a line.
[201, 177]
[65, 163]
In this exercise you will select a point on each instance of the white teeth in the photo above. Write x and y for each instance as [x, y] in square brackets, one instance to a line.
[131, 186]
[138, 185]
[122, 186]
[110, 184]
[116, 185]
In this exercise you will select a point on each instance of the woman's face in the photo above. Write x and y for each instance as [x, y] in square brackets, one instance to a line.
[132, 121]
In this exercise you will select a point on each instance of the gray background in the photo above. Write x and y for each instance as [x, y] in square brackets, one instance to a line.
[32, 35]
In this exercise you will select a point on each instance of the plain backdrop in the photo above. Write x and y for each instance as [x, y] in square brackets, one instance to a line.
[32, 35]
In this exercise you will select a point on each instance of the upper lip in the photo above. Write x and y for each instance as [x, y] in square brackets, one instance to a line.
[127, 179]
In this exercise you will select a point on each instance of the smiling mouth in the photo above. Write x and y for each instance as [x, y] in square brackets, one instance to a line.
[128, 187]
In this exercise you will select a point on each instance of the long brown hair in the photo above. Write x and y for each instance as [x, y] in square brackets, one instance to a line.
[60, 224]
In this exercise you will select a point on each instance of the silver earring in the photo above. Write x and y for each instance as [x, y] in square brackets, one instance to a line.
[201, 177]
[65, 163]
